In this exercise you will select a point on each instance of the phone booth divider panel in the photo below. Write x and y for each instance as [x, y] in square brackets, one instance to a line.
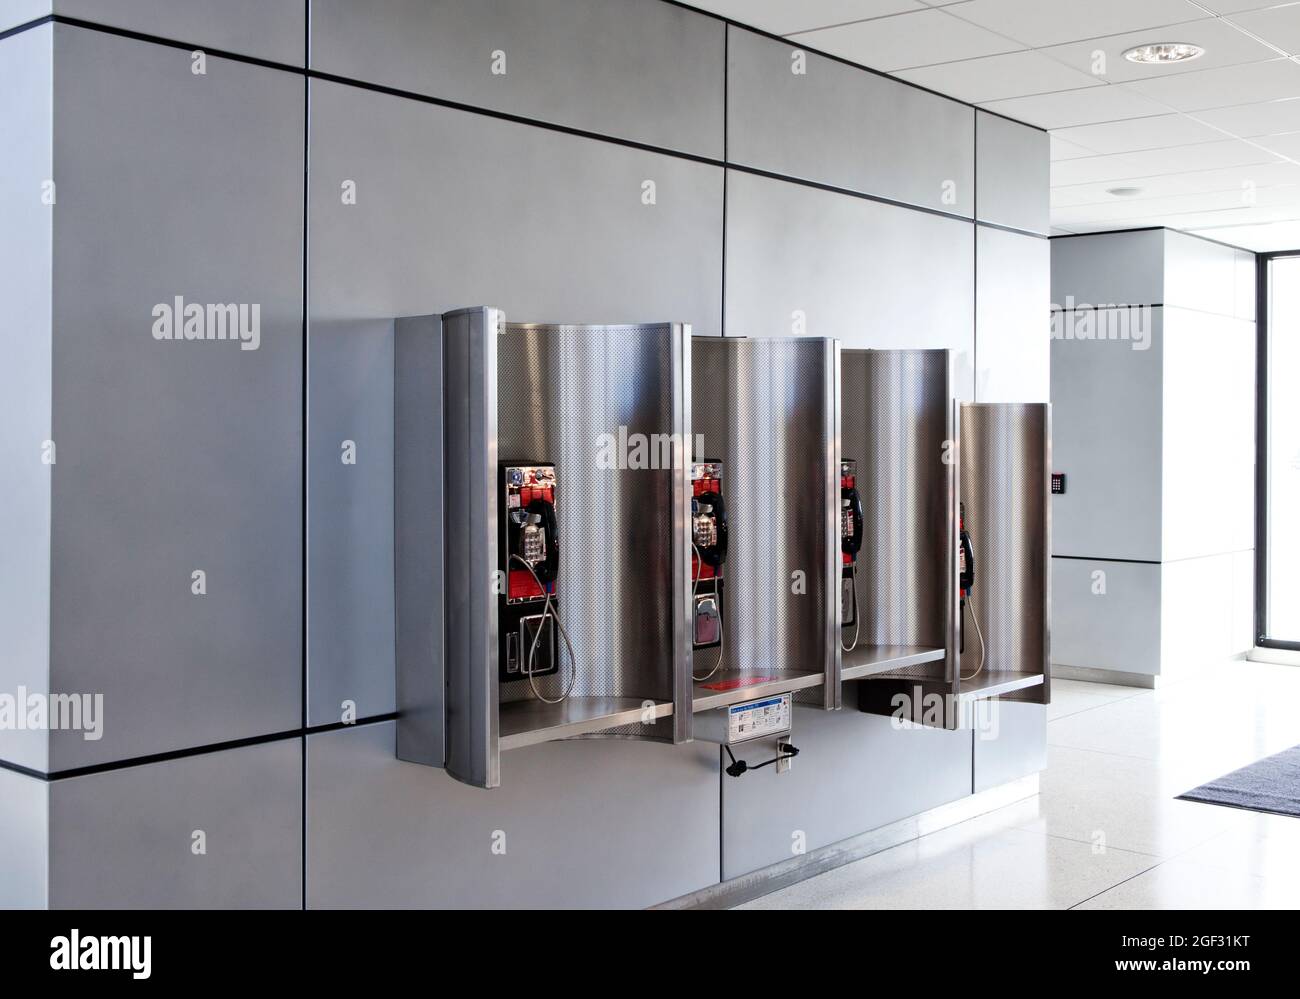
[765, 415]
[898, 421]
[567, 506]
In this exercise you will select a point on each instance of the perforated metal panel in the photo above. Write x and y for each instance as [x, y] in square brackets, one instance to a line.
[589, 399]
[1005, 478]
[767, 409]
[897, 420]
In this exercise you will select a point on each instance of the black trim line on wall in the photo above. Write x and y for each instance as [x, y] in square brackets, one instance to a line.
[518, 119]
[181, 754]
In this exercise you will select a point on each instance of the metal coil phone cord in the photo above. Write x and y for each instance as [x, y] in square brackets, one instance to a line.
[722, 624]
[857, 618]
[532, 649]
[979, 634]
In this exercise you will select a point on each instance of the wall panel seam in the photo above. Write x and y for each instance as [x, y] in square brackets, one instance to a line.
[314, 74]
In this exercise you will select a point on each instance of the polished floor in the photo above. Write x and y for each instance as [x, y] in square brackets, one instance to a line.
[1106, 831]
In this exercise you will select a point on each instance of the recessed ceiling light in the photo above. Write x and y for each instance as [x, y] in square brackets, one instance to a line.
[1163, 53]
[1124, 192]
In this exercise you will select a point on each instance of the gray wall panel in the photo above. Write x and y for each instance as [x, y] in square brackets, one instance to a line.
[855, 772]
[1012, 166]
[457, 209]
[651, 72]
[268, 29]
[1115, 269]
[126, 838]
[874, 275]
[350, 599]
[1010, 741]
[847, 127]
[175, 456]
[24, 841]
[1115, 630]
[26, 236]
[1013, 324]
[1107, 435]
[16, 12]
[587, 822]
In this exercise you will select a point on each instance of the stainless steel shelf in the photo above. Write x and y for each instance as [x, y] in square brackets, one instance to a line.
[869, 660]
[776, 681]
[527, 723]
[992, 684]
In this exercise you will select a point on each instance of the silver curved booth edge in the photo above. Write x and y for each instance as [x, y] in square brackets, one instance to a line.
[552, 394]
[768, 410]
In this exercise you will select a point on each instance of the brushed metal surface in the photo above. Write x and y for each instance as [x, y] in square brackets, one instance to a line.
[839, 125]
[854, 772]
[650, 72]
[127, 839]
[896, 415]
[766, 409]
[801, 260]
[418, 520]
[469, 489]
[1109, 440]
[1004, 483]
[1118, 629]
[350, 612]
[454, 207]
[268, 29]
[607, 823]
[1012, 164]
[562, 391]
[175, 456]
[26, 377]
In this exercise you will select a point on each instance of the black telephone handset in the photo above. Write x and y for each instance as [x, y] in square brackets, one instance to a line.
[966, 557]
[549, 567]
[850, 500]
[714, 555]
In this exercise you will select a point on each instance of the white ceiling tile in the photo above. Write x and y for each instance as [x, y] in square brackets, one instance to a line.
[1224, 46]
[1257, 176]
[1077, 107]
[1133, 134]
[907, 40]
[1279, 25]
[1154, 162]
[1236, 6]
[1265, 238]
[1063, 150]
[781, 17]
[992, 78]
[1216, 88]
[1272, 199]
[1265, 118]
[1050, 22]
[1284, 145]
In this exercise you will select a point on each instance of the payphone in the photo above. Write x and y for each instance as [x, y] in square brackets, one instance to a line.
[966, 584]
[851, 529]
[531, 631]
[708, 555]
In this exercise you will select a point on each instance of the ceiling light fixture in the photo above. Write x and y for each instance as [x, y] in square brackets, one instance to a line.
[1163, 53]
